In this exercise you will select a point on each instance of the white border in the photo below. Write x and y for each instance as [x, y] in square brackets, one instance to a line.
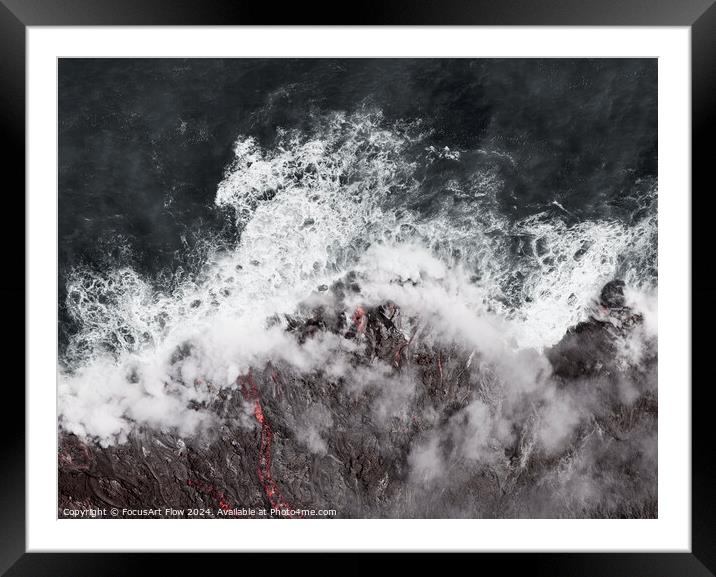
[670, 532]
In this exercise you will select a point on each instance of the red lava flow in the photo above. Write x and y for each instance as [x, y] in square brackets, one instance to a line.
[212, 491]
[360, 320]
[270, 487]
[251, 393]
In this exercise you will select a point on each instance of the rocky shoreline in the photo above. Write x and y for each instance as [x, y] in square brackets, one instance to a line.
[433, 430]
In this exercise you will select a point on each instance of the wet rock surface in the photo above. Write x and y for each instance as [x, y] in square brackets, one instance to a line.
[409, 427]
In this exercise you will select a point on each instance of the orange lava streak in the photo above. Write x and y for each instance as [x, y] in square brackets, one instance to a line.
[251, 393]
[360, 320]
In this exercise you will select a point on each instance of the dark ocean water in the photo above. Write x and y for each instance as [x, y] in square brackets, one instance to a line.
[369, 285]
[144, 144]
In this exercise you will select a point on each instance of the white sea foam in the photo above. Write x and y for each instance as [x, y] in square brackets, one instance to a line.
[309, 209]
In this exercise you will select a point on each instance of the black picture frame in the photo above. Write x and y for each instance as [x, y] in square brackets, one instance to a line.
[699, 15]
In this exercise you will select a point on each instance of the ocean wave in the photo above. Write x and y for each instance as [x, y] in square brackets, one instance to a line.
[308, 210]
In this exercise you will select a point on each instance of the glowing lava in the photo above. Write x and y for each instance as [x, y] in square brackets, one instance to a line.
[251, 393]
[270, 487]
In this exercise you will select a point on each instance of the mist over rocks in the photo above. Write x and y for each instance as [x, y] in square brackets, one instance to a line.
[494, 283]
[380, 286]
[404, 422]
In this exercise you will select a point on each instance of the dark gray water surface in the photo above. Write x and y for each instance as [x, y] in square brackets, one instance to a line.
[144, 143]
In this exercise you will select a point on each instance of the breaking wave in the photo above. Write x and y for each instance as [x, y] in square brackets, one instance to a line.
[354, 193]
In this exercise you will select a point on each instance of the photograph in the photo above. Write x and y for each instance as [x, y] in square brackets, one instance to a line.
[357, 288]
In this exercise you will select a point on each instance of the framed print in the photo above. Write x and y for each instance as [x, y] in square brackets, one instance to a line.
[397, 286]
